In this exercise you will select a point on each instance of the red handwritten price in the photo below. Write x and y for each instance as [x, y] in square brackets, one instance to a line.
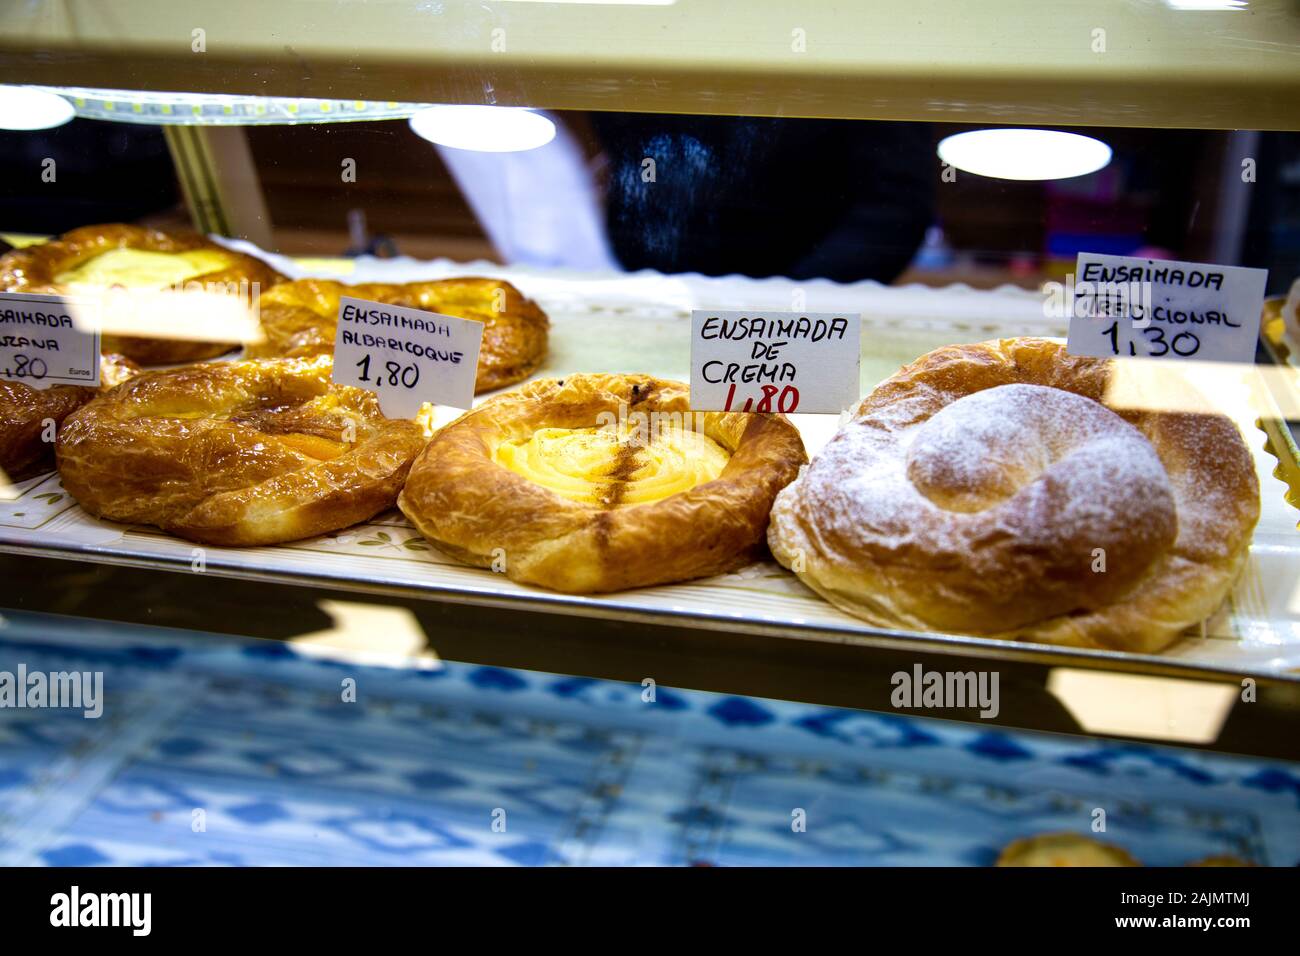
[787, 400]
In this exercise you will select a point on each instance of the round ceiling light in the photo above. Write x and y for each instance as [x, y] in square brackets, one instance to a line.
[22, 107]
[489, 129]
[1024, 153]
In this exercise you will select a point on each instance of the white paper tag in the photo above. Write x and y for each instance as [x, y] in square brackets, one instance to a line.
[406, 356]
[774, 361]
[43, 341]
[1157, 308]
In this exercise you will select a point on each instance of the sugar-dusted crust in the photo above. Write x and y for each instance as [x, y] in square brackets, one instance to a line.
[25, 446]
[482, 513]
[237, 453]
[33, 269]
[299, 319]
[988, 489]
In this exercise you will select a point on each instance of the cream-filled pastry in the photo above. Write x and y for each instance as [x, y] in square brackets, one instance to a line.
[103, 258]
[253, 452]
[300, 318]
[614, 467]
[142, 269]
[601, 482]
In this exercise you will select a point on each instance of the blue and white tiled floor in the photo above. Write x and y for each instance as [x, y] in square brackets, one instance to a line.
[254, 740]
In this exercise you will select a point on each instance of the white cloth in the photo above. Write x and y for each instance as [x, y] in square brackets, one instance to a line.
[538, 207]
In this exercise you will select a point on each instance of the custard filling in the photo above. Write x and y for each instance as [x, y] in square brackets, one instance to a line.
[142, 269]
[314, 446]
[614, 467]
[314, 428]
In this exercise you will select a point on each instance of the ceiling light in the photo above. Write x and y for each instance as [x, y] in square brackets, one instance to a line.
[489, 129]
[22, 107]
[1024, 153]
[1208, 4]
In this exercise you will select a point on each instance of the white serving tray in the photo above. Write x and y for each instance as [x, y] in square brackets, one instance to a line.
[641, 323]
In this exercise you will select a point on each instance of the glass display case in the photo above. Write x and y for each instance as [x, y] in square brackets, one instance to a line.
[650, 433]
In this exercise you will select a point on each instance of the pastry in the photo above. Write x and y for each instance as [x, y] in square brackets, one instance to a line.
[601, 482]
[299, 319]
[252, 452]
[96, 258]
[1063, 849]
[30, 417]
[989, 489]
[1290, 309]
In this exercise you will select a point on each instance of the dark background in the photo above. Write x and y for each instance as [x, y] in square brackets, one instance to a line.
[801, 198]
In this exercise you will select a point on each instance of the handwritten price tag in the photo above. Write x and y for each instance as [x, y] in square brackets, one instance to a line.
[1156, 308]
[406, 356]
[41, 344]
[774, 361]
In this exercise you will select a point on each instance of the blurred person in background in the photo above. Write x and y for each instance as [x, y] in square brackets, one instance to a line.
[767, 197]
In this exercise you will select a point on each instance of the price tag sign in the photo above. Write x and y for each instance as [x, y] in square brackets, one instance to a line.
[1157, 308]
[406, 356]
[774, 361]
[41, 344]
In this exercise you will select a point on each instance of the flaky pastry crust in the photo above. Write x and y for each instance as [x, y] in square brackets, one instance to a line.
[299, 319]
[253, 452]
[26, 445]
[481, 513]
[989, 489]
[34, 269]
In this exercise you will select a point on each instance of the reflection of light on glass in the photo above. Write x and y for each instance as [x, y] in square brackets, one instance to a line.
[1208, 4]
[1237, 389]
[1293, 604]
[490, 129]
[365, 633]
[7, 491]
[1158, 708]
[24, 108]
[192, 312]
[1024, 153]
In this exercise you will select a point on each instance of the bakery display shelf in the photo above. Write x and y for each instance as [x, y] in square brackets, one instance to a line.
[640, 323]
[1109, 62]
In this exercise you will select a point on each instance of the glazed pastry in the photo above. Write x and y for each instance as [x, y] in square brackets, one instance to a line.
[601, 482]
[1063, 849]
[95, 258]
[299, 319]
[237, 453]
[988, 489]
[26, 413]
